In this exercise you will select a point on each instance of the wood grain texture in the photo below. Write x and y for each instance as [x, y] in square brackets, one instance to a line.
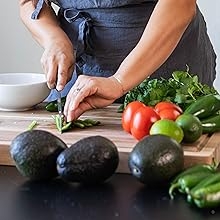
[13, 123]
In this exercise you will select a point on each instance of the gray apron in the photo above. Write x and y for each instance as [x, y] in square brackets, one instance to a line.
[103, 33]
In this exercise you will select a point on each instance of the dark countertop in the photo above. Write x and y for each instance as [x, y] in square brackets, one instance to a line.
[122, 197]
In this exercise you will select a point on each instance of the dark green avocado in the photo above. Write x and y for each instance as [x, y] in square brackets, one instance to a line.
[90, 160]
[156, 159]
[35, 153]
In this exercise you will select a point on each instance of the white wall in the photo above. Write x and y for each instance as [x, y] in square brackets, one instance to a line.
[210, 10]
[20, 53]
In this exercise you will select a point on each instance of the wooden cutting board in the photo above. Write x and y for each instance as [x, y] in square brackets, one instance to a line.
[204, 150]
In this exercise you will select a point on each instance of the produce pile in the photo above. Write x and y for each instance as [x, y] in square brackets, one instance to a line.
[158, 160]
[161, 114]
[200, 184]
[200, 117]
[180, 109]
[182, 88]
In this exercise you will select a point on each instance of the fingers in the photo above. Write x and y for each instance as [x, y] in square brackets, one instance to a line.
[58, 66]
[63, 76]
[76, 102]
[50, 69]
[74, 114]
[65, 70]
[82, 88]
[90, 92]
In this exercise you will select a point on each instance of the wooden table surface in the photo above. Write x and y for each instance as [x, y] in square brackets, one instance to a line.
[13, 123]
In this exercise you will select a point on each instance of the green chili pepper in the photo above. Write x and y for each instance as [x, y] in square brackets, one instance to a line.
[32, 125]
[85, 123]
[204, 106]
[59, 122]
[194, 169]
[188, 181]
[206, 182]
[67, 126]
[211, 124]
[78, 124]
[208, 196]
[52, 106]
[91, 121]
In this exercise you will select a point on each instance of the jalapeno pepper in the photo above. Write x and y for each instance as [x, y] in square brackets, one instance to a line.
[67, 126]
[77, 123]
[184, 184]
[52, 106]
[207, 182]
[194, 169]
[207, 192]
[208, 196]
[205, 106]
[188, 181]
[211, 124]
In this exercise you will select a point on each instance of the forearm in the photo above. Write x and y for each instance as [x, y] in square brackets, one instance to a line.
[46, 29]
[58, 58]
[161, 35]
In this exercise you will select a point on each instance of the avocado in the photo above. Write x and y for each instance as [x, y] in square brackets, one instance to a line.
[90, 160]
[35, 152]
[155, 159]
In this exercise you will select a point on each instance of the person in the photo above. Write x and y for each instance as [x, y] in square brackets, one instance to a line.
[96, 51]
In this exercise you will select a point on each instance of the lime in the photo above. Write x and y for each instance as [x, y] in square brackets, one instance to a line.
[191, 126]
[169, 128]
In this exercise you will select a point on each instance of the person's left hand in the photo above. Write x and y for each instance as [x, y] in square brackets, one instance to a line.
[91, 92]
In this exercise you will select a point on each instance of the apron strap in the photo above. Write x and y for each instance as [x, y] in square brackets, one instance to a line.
[84, 28]
[72, 15]
[37, 10]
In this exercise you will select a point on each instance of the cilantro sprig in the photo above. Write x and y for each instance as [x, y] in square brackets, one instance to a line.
[181, 88]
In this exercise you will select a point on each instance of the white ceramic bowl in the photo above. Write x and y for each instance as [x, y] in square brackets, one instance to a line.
[22, 91]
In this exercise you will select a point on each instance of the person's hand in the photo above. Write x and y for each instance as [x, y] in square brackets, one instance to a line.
[58, 62]
[91, 92]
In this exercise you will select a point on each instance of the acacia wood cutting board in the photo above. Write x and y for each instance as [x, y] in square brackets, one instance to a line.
[204, 150]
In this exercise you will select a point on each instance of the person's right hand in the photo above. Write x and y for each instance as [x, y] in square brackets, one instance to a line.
[58, 62]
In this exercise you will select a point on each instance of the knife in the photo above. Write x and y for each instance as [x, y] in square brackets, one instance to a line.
[60, 110]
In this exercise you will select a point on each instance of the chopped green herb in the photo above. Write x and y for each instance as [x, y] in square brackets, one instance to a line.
[182, 88]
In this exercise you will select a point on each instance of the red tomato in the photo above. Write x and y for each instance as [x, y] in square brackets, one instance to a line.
[166, 105]
[128, 113]
[169, 113]
[142, 121]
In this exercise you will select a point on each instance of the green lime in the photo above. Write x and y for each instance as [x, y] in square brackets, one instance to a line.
[191, 126]
[169, 128]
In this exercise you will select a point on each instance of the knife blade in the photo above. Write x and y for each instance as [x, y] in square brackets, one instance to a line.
[60, 110]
